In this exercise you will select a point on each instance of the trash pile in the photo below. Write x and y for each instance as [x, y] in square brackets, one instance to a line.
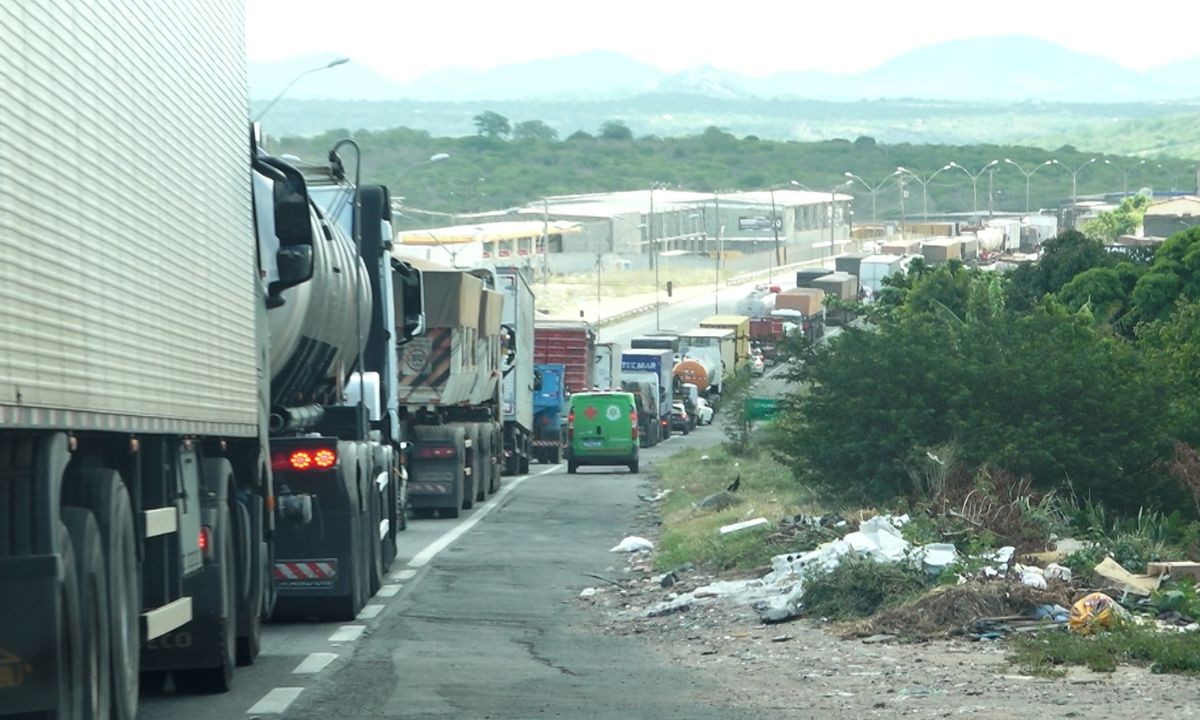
[995, 598]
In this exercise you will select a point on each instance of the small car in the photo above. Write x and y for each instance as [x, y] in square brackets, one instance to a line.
[704, 412]
[680, 419]
[758, 367]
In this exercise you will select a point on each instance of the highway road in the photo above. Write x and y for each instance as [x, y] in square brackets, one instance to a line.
[478, 620]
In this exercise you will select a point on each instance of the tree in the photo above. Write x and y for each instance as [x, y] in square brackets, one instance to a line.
[1107, 227]
[1175, 273]
[1172, 345]
[1063, 258]
[492, 125]
[1040, 395]
[615, 130]
[534, 130]
[580, 135]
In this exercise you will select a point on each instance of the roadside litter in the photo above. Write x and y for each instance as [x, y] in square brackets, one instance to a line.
[744, 525]
[633, 544]
[1095, 611]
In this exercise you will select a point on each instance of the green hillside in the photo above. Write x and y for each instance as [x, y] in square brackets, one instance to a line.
[495, 173]
[1154, 137]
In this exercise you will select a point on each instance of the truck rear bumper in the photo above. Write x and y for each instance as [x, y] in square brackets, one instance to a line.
[31, 642]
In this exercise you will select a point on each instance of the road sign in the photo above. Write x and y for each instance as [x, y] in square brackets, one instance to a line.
[761, 408]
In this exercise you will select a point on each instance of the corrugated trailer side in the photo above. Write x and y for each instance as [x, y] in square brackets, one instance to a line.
[136, 316]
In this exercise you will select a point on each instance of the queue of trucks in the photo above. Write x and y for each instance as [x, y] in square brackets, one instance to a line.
[217, 408]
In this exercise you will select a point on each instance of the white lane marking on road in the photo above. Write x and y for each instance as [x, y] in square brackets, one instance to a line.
[314, 663]
[347, 633]
[404, 574]
[388, 590]
[432, 549]
[276, 701]
[368, 612]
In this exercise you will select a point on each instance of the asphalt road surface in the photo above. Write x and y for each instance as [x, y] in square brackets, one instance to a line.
[478, 621]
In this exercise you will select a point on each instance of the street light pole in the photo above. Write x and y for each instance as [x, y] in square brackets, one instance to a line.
[775, 232]
[873, 190]
[277, 98]
[975, 183]
[924, 187]
[720, 250]
[1074, 184]
[1029, 174]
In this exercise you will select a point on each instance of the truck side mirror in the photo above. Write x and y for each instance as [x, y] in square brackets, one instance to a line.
[537, 380]
[408, 301]
[293, 224]
[295, 265]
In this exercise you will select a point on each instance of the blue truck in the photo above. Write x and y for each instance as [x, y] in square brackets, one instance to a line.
[549, 412]
[659, 365]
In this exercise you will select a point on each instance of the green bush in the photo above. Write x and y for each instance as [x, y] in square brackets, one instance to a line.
[859, 587]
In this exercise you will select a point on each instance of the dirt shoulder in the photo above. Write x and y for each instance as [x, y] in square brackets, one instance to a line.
[805, 669]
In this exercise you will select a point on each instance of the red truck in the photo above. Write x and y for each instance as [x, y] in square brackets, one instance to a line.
[766, 333]
[571, 343]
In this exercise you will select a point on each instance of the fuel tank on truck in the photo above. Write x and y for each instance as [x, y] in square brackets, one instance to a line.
[439, 368]
[697, 369]
[321, 326]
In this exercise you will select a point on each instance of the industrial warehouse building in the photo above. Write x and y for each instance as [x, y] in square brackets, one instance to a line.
[634, 229]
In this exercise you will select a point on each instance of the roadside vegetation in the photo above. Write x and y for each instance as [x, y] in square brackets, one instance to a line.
[1057, 401]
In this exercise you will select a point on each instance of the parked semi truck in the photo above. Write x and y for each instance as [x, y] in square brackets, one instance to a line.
[570, 344]
[607, 366]
[163, 413]
[549, 411]
[517, 383]
[449, 392]
[336, 442]
[639, 365]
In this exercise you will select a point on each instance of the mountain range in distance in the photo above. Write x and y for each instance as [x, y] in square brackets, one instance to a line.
[1002, 69]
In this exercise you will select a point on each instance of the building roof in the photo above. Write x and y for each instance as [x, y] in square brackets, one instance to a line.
[1175, 207]
[486, 232]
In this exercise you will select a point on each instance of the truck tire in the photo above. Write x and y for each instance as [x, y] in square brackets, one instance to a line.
[72, 682]
[525, 450]
[219, 679]
[96, 678]
[101, 491]
[633, 467]
[572, 467]
[470, 480]
[250, 597]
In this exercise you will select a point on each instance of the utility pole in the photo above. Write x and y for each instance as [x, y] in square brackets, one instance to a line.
[720, 249]
[775, 232]
[545, 242]
[991, 194]
[654, 259]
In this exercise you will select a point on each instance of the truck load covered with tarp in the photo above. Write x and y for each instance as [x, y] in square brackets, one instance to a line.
[740, 324]
[440, 368]
[607, 371]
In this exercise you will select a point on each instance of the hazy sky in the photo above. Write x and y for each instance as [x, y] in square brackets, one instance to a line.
[405, 38]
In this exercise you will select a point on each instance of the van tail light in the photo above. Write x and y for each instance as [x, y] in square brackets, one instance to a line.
[304, 459]
[571, 419]
[633, 424]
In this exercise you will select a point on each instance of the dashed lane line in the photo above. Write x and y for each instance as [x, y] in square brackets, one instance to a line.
[369, 611]
[276, 701]
[388, 591]
[314, 663]
[402, 575]
[347, 633]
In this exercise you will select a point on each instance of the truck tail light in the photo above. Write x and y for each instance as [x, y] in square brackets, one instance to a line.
[633, 424]
[205, 542]
[664, 421]
[302, 459]
[437, 452]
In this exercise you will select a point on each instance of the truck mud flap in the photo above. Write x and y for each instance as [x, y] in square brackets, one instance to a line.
[29, 640]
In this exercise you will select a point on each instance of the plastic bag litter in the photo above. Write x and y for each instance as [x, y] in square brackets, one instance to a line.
[633, 543]
[1053, 613]
[1054, 571]
[1034, 578]
[1095, 611]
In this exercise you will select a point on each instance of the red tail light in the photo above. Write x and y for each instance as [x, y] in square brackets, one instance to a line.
[571, 419]
[663, 422]
[305, 459]
[633, 423]
[440, 452]
[205, 543]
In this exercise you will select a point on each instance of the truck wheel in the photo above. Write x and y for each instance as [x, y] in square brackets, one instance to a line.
[249, 644]
[572, 467]
[525, 451]
[72, 681]
[633, 467]
[483, 463]
[93, 604]
[219, 679]
[102, 491]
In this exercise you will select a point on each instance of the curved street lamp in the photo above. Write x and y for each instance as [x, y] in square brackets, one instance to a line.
[1074, 176]
[1028, 174]
[874, 189]
[326, 66]
[924, 187]
[975, 183]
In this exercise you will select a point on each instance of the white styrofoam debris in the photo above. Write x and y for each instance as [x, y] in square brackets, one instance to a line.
[744, 525]
[633, 543]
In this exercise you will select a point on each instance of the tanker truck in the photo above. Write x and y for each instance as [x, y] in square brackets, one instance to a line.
[168, 395]
[336, 435]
